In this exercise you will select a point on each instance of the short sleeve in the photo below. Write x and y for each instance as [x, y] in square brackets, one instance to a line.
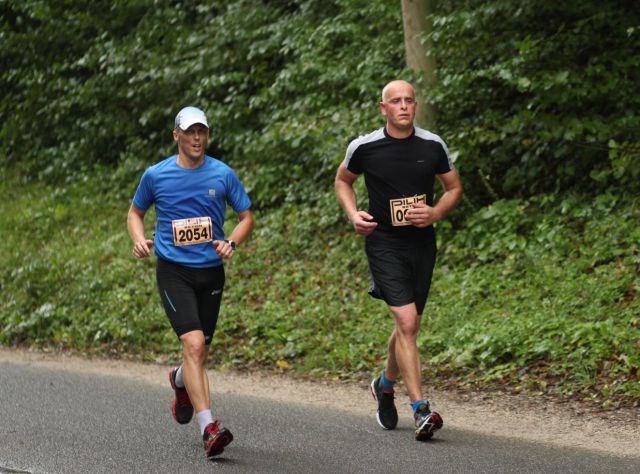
[237, 195]
[351, 160]
[143, 198]
[443, 162]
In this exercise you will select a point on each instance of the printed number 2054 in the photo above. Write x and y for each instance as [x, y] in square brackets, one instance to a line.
[192, 231]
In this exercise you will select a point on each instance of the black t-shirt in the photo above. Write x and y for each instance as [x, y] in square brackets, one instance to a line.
[398, 172]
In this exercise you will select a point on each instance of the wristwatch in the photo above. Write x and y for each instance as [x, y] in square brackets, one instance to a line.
[232, 243]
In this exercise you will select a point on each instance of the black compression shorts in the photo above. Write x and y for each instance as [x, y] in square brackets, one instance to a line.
[401, 270]
[190, 296]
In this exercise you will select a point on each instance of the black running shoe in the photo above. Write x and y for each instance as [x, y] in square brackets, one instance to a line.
[215, 438]
[387, 414]
[427, 422]
[181, 407]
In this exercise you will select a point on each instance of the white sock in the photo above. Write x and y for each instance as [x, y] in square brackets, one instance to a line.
[179, 380]
[203, 418]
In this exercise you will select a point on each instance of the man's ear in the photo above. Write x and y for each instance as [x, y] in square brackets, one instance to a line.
[383, 109]
[175, 135]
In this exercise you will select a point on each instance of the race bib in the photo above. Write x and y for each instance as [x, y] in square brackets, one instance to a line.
[399, 208]
[192, 231]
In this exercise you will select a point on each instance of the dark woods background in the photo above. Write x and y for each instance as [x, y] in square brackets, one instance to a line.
[533, 97]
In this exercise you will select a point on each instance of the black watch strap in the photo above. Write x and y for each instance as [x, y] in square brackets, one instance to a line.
[232, 243]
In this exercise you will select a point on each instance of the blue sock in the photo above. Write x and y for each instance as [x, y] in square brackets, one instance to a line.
[416, 404]
[387, 385]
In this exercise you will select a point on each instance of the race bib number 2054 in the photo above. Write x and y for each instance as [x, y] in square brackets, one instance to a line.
[399, 208]
[192, 231]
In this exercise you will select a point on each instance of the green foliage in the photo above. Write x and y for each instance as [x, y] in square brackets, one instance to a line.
[284, 84]
[539, 96]
[533, 97]
[69, 282]
[546, 289]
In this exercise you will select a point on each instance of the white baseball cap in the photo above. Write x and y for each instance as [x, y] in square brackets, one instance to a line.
[190, 115]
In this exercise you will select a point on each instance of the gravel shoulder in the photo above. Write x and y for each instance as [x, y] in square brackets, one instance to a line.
[521, 417]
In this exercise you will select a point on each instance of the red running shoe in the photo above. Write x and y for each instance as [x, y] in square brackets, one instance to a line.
[215, 438]
[181, 408]
[427, 422]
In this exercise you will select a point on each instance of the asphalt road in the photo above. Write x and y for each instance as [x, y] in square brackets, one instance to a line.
[54, 421]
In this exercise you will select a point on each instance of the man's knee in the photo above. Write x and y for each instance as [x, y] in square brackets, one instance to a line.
[193, 345]
[407, 328]
[407, 321]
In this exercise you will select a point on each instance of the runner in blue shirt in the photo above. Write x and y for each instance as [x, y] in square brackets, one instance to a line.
[190, 192]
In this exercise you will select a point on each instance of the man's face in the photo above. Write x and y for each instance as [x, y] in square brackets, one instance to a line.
[399, 105]
[192, 142]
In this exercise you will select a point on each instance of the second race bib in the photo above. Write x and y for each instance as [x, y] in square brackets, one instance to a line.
[399, 208]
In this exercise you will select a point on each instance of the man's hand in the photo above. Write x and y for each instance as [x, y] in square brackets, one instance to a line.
[363, 222]
[223, 248]
[422, 215]
[142, 248]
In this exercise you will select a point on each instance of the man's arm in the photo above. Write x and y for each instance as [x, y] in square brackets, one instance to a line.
[243, 228]
[422, 215]
[452, 192]
[135, 225]
[347, 199]
[239, 234]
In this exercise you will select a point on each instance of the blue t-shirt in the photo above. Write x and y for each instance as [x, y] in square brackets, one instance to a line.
[180, 193]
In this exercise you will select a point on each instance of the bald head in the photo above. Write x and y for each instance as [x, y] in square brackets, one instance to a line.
[399, 107]
[394, 86]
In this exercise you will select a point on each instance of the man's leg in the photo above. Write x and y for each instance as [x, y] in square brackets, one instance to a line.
[392, 371]
[215, 436]
[404, 357]
[194, 374]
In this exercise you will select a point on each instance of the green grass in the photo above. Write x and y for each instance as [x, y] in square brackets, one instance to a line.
[538, 295]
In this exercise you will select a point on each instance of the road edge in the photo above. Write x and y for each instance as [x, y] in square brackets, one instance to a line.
[488, 413]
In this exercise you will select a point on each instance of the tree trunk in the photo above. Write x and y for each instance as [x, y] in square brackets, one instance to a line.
[417, 46]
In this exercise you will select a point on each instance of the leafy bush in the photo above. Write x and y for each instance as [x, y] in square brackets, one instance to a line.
[539, 96]
[543, 293]
[284, 84]
[533, 97]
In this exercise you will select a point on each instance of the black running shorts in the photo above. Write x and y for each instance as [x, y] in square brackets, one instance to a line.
[401, 270]
[190, 296]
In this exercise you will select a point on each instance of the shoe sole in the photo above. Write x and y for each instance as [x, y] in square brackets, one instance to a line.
[372, 390]
[426, 430]
[175, 401]
[218, 444]
[424, 434]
